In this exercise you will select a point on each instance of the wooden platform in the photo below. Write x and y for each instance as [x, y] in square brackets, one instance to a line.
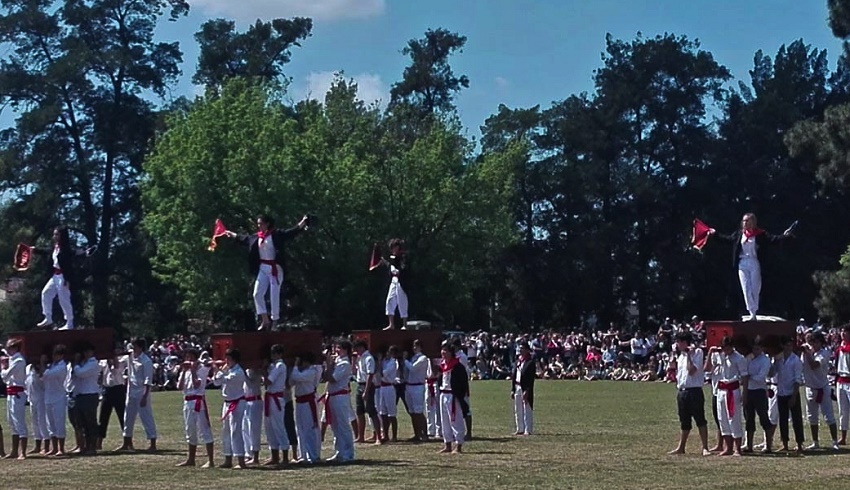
[743, 334]
[38, 342]
[380, 340]
[255, 347]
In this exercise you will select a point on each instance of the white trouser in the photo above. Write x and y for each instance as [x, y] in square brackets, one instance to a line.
[522, 413]
[813, 408]
[231, 429]
[56, 286]
[252, 426]
[749, 273]
[453, 423]
[145, 413]
[39, 420]
[340, 420]
[276, 435]
[308, 432]
[773, 408]
[56, 413]
[16, 414]
[388, 405]
[414, 395]
[196, 424]
[265, 282]
[730, 425]
[842, 392]
[396, 297]
[432, 412]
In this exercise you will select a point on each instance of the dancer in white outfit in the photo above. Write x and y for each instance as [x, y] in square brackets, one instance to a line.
[196, 414]
[232, 382]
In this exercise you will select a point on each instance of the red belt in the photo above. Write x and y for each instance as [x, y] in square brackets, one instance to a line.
[729, 388]
[200, 401]
[327, 398]
[843, 379]
[252, 398]
[311, 399]
[274, 267]
[14, 391]
[57, 271]
[232, 405]
[272, 396]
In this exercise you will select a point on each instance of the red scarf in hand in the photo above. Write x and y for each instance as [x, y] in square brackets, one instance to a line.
[844, 347]
[753, 232]
[447, 366]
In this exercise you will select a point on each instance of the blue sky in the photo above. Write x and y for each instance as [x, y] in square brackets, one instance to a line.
[519, 52]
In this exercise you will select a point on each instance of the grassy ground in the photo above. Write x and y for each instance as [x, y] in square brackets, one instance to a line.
[588, 435]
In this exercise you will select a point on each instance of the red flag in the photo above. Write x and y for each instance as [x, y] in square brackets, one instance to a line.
[375, 260]
[23, 255]
[700, 234]
[218, 230]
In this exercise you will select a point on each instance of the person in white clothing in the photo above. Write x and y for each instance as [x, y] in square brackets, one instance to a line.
[417, 374]
[454, 387]
[252, 422]
[432, 399]
[232, 381]
[522, 391]
[460, 353]
[114, 392]
[305, 380]
[690, 400]
[14, 375]
[396, 295]
[756, 402]
[788, 371]
[62, 277]
[196, 416]
[55, 400]
[388, 406]
[139, 381]
[842, 383]
[273, 408]
[35, 389]
[365, 377]
[86, 396]
[818, 390]
[733, 375]
[337, 402]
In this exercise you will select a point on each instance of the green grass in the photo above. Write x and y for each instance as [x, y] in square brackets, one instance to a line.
[598, 435]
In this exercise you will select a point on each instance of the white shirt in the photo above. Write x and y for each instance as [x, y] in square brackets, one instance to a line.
[266, 246]
[232, 382]
[715, 370]
[843, 363]
[276, 377]
[306, 381]
[638, 347]
[365, 366]
[788, 371]
[55, 256]
[733, 367]
[139, 374]
[85, 377]
[187, 380]
[684, 379]
[417, 370]
[35, 385]
[758, 369]
[461, 356]
[252, 384]
[748, 246]
[113, 376]
[16, 373]
[54, 382]
[389, 372]
[816, 378]
[341, 376]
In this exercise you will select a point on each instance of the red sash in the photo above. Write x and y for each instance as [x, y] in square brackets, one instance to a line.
[311, 399]
[232, 405]
[843, 379]
[14, 391]
[57, 271]
[252, 398]
[327, 400]
[200, 401]
[730, 389]
[272, 396]
[274, 268]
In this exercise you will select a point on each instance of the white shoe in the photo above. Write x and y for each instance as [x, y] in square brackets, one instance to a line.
[835, 446]
[66, 327]
[759, 446]
[813, 445]
[44, 323]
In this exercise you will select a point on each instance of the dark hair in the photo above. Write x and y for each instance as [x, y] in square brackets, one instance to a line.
[393, 349]
[685, 337]
[268, 220]
[819, 337]
[191, 352]
[395, 242]
[59, 350]
[758, 341]
[360, 343]
[726, 341]
[234, 354]
[64, 238]
[140, 342]
[345, 345]
[277, 349]
[846, 328]
[449, 347]
[417, 343]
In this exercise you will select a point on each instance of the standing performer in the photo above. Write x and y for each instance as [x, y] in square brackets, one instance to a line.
[305, 379]
[756, 402]
[788, 370]
[114, 393]
[35, 389]
[818, 390]
[14, 374]
[454, 386]
[432, 399]
[747, 243]
[139, 381]
[338, 404]
[366, 392]
[232, 382]
[733, 375]
[252, 422]
[522, 391]
[55, 400]
[842, 383]
[388, 404]
[276, 434]
[690, 400]
[396, 296]
[417, 372]
[196, 415]
[86, 397]
[265, 259]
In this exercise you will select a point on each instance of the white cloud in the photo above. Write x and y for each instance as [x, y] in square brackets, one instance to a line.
[370, 87]
[502, 82]
[251, 10]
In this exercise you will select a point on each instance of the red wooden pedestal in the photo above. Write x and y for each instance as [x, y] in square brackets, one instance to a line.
[743, 334]
[379, 340]
[38, 342]
[255, 347]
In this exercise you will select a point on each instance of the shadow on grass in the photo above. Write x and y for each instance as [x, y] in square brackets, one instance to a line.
[491, 439]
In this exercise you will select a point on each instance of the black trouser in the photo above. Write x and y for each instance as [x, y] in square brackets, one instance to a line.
[399, 395]
[366, 406]
[289, 423]
[691, 405]
[796, 418]
[714, 411]
[86, 406]
[757, 404]
[114, 398]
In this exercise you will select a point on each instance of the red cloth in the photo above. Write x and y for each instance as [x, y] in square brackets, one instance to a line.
[273, 264]
[218, 230]
[753, 232]
[311, 399]
[700, 234]
[843, 379]
[446, 366]
[23, 255]
[268, 400]
[327, 399]
[375, 260]
[730, 389]
[14, 391]
[200, 401]
[232, 405]
[844, 347]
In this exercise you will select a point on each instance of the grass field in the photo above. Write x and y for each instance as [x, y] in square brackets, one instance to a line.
[599, 435]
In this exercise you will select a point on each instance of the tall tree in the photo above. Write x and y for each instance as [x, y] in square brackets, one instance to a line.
[79, 78]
